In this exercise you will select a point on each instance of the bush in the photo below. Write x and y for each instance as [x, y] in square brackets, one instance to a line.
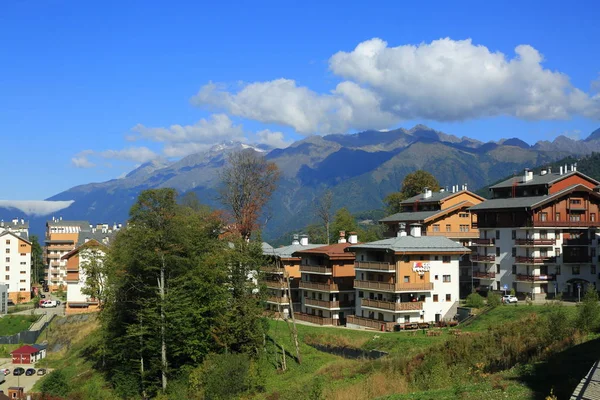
[493, 300]
[474, 300]
[222, 376]
[560, 325]
[55, 384]
[588, 313]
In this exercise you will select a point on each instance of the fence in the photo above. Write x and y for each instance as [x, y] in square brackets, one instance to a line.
[26, 337]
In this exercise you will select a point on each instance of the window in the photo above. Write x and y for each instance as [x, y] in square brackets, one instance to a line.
[576, 270]
[463, 215]
[497, 251]
[557, 251]
[543, 216]
[437, 277]
[464, 228]
[23, 262]
[436, 227]
[593, 269]
[497, 235]
[574, 217]
[557, 216]
[445, 259]
[448, 297]
[7, 268]
[7, 251]
[557, 270]
[23, 272]
[361, 294]
[436, 258]
[407, 279]
[514, 269]
[448, 227]
[514, 234]
[22, 290]
[7, 241]
[575, 201]
[497, 268]
[23, 254]
[543, 234]
[514, 251]
[7, 277]
[22, 281]
[445, 278]
[7, 259]
[23, 245]
[593, 217]
[435, 298]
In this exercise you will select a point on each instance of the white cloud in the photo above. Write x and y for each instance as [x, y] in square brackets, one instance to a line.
[36, 207]
[81, 160]
[140, 154]
[445, 80]
[273, 139]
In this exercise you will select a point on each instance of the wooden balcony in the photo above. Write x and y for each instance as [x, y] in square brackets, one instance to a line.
[566, 224]
[535, 278]
[484, 242]
[375, 266]
[54, 256]
[471, 234]
[535, 242]
[315, 319]
[275, 284]
[393, 287]
[321, 303]
[316, 269]
[484, 275]
[370, 323]
[483, 258]
[323, 287]
[393, 306]
[278, 300]
[534, 260]
[272, 270]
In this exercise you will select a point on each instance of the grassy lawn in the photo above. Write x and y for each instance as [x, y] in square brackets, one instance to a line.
[11, 324]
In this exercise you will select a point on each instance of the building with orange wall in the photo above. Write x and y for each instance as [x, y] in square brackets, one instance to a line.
[326, 284]
[16, 271]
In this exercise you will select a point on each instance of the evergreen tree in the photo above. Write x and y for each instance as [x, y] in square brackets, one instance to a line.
[413, 184]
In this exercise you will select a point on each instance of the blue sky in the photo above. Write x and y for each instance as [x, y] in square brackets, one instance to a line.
[90, 89]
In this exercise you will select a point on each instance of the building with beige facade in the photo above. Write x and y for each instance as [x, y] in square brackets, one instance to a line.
[16, 265]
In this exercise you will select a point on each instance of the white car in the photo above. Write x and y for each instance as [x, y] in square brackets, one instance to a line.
[507, 299]
[49, 304]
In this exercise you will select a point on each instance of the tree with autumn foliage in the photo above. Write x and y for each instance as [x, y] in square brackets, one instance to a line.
[248, 181]
[413, 184]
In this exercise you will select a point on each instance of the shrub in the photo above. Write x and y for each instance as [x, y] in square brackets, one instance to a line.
[474, 300]
[493, 300]
[55, 384]
[589, 311]
[222, 376]
[559, 324]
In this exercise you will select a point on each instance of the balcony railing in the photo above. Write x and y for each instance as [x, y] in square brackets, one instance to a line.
[393, 306]
[393, 287]
[370, 323]
[576, 260]
[484, 242]
[534, 260]
[473, 234]
[566, 224]
[316, 269]
[535, 242]
[484, 275]
[324, 287]
[54, 256]
[278, 300]
[577, 242]
[375, 265]
[321, 303]
[483, 258]
[275, 284]
[535, 278]
[272, 270]
[315, 319]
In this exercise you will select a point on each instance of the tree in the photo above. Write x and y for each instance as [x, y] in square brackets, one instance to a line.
[343, 220]
[323, 211]
[94, 269]
[37, 263]
[413, 184]
[55, 384]
[248, 181]
[588, 313]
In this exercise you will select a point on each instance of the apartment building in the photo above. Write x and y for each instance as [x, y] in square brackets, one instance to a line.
[444, 213]
[91, 247]
[63, 236]
[406, 279]
[538, 234]
[284, 265]
[17, 225]
[326, 284]
[16, 274]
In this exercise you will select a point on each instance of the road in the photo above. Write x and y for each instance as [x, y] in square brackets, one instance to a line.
[47, 312]
[24, 381]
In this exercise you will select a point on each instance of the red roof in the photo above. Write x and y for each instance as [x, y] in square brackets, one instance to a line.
[25, 350]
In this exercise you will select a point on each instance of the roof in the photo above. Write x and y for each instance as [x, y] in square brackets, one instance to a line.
[547, 179]
[27, 349]
[84, 225]
[527, 202]
[40, 346]
[99, 236]
[435, 196]
[412, 244]
[15, 235]
[81, 246]
[287, 251]
[332, 251]
[424, 215]
[266, 247]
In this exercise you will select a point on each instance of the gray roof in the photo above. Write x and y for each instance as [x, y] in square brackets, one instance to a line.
[98, 236]
[435, 196]
[21, 235]
[287, 251]
[537, 179]
[84, 225]
[266, 247]
[410, 216]
[425, 244]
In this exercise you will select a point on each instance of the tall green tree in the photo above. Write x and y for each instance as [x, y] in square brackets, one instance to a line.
[413, 184]
[37, 263]
[343, 220]
[588, 314]
[94, 268]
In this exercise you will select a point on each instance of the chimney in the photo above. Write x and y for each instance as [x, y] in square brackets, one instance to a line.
[549, 170]
[295, 240]
[560, 173]
[566, 169]
[575, 167]
[401, 229]
[427, 193]
[352, 238]
[15, 221]
[304, 240]
[342, 237]
[528, 175]
[442, 190]
[543, 172]
[466, 187]
[61, 217]
[415, 230]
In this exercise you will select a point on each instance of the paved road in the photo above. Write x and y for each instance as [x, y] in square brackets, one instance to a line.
[26, 382]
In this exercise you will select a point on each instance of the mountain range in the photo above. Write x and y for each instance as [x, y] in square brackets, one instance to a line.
[360, 169]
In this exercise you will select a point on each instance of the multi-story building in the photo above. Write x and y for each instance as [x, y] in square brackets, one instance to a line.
[538, 234]
[327, 275]
[444, 213]
[61, 238]
[406, 279]
[18, 226]
[91, 248]
[16, 274]
[284, 266]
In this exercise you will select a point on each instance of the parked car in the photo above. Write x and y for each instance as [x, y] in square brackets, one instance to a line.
[43, 296]
[6, 371]
[48, 304]
[42, 302]
[508, 298]
[41, 371]
[30, 371]
[10, 302]
[18, 371]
